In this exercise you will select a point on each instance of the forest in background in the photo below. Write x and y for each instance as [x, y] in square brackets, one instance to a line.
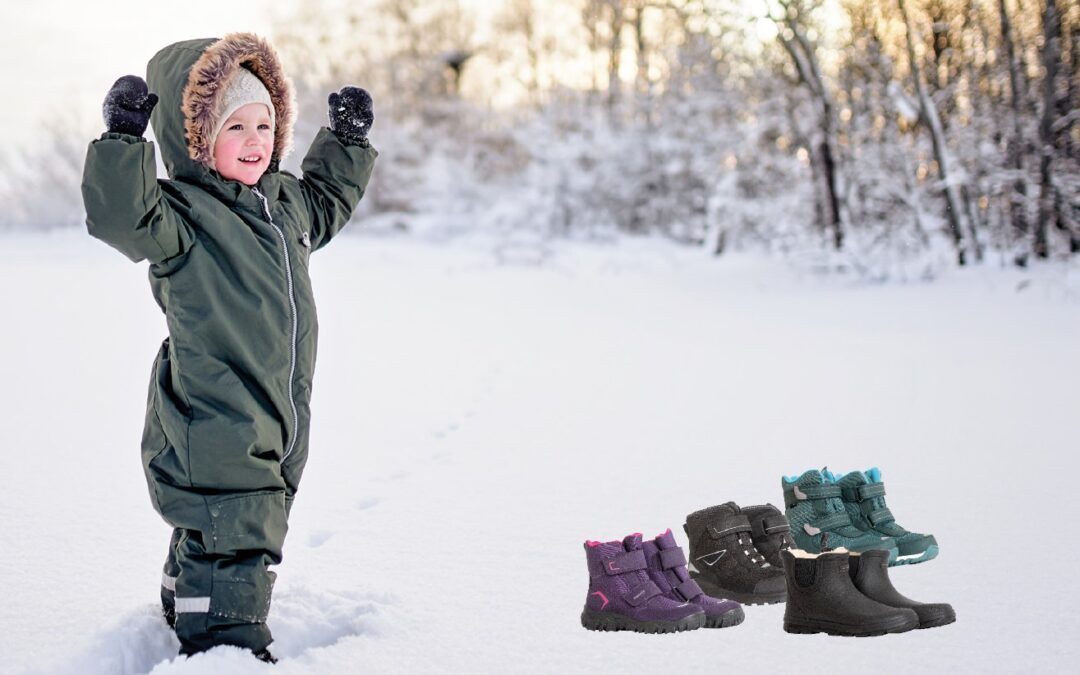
[892, 138]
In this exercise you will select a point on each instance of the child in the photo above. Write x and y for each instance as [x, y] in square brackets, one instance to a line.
[228, 240]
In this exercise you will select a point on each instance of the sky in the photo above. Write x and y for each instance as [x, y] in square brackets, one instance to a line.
[63, 53]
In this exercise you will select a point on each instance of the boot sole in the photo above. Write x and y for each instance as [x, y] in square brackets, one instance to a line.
[729, 618]
[843, 630]
[929, 554]
[607, 621]
[741, 597]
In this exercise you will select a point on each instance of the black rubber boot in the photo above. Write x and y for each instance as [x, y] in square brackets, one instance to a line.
[823, 599]
[723, 559]
[770, 532]
[869, 571]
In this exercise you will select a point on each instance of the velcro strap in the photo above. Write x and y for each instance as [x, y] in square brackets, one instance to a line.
[862, 493]
[817, 491]
[672, 557]
[881, 516]
[832, 522]
[688, 590]
[871, 490]
[731, 526]
[641, 593]
[626, 562]
[771, 525]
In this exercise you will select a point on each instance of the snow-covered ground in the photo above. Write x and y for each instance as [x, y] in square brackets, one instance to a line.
[476, 422]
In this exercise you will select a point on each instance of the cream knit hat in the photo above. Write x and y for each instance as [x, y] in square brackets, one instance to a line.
[243, 88]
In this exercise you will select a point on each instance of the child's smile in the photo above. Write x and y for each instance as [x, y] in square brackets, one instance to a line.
[244, 145]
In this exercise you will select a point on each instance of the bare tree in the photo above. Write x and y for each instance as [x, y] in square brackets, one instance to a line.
[823, 145]
[1051, 61]
[957, 209]
[1017, 87]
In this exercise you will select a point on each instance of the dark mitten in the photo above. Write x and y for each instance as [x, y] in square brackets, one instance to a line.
[127, 106]
[351, 116]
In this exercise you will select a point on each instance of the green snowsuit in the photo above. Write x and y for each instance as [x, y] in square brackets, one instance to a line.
[227, 417]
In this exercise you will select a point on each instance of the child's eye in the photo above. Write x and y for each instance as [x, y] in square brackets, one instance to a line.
[264, 126]
[236, 127]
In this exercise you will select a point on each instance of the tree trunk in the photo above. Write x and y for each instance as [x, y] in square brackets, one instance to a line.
[615, 54]
[643, 83]
[1018, 198]
[1050, 59]
[825, 147]
[960, 225]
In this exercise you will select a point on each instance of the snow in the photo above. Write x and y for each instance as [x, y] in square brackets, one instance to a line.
[475, 422]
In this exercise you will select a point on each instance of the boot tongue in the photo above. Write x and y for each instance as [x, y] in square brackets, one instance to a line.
[632, 542]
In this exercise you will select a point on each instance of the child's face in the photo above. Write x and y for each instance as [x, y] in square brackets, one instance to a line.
[243, 146]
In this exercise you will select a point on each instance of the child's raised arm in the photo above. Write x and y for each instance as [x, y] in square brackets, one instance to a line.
[338, 165]
[125, 205]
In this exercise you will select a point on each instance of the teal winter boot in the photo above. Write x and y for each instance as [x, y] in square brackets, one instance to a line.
[863, 494]
[819, 521]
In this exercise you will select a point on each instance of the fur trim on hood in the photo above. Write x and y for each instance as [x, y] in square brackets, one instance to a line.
[207, 84]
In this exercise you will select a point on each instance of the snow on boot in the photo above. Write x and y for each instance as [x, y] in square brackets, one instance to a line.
[622, 597]
[723, 559]
[770, 532]
[265, 656]
[823, 599]
[870, 573]
[820, 522]
[667, 568]
[864, 499]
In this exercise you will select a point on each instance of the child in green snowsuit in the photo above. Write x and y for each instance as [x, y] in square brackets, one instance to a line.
[228, 239]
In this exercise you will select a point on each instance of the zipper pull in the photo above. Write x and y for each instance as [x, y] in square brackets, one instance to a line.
[305, 239]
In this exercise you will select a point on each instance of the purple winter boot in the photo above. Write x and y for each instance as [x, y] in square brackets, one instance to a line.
[623, 597]
[667, 569]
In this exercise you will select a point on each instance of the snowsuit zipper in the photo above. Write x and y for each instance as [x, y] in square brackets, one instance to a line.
[292, 308]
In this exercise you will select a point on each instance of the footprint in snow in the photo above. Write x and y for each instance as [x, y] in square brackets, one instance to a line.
[319, 537]
[367, 503]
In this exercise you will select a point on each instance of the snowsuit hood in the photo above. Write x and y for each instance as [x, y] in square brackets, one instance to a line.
[190, 78]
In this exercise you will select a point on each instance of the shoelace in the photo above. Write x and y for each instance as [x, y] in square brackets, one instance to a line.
[756, 556]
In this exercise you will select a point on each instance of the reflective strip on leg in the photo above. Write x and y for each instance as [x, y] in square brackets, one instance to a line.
[168, 583]
[192, 605]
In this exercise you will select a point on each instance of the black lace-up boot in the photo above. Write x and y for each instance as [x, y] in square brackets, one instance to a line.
[724, 561]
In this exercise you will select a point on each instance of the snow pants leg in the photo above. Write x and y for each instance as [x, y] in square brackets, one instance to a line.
[218, 569]
[227, 506]
[169, 574]
[171, 571]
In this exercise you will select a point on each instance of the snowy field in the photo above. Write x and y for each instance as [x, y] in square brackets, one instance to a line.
[475, 422]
